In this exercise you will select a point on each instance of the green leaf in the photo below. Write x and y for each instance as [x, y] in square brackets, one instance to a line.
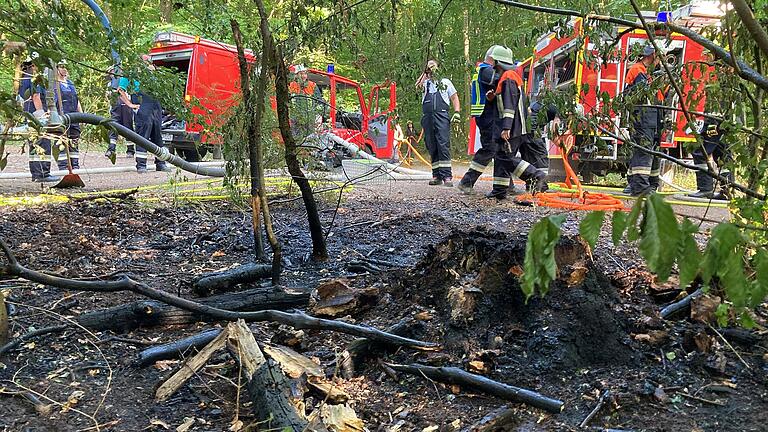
[760, 283]
[55, 149]
[722, 314]
[660, 236]
[670, 355]
[589, 228]
[633, 233]
[689, 257]
[746, 320]
[539, 267]
[723, 258]
[618, 225]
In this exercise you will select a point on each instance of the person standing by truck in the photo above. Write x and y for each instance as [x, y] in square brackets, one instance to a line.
[484, 80]
[644, 127]
[121, 114]
[148, 120]
[70, 103]
[436, 97]
[718, 152]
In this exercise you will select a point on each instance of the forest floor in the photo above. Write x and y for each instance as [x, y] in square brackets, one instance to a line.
[598, 329]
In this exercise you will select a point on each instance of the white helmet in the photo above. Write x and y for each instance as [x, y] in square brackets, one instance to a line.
[298, 68]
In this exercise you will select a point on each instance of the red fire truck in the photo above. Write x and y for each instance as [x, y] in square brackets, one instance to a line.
[213, 88]
[562, 64]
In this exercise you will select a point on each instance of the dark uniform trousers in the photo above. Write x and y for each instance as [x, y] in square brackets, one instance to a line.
[123, 115]
[643, 172]
[716, 149]
[482, 157]
[148, 122]
[507, 164]
[40, 158]
[437, 134]
[534, 151]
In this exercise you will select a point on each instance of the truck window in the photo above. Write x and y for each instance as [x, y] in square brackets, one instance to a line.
[349, 112]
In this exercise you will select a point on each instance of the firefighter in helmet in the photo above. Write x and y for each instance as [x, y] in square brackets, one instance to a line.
[484, 111]
[436, 97]
[511, 129]
[645, 125]
[307, 102]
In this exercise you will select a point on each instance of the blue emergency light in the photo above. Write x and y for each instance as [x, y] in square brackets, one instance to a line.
[330, 68]
[662, 17]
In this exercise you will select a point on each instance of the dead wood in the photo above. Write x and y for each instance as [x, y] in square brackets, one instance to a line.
[740, 336]
[148, 313]
[270, 390]
[209, 283]
[3, 320]
[176, 348]
[297, 319]
[605, 396]
[29, 335]
[336, 298]
[292, 363]
[41, 408]
[497, 419]
[681, 305]
[460, 377]
[359, 349]
[190, 368]
[107, 196]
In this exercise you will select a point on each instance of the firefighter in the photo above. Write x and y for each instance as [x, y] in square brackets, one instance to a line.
[33, 97]
[147, 120]
[69, 103]
[717, 151]
[307, 107]
[484, 80]
[645, 130]
[511, 129]
[436, 97]
[121, 114]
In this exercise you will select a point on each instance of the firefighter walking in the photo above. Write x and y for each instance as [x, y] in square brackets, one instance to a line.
[33, 97]
[645, 128]
[511, 129]
[437, 94]
[484, 111]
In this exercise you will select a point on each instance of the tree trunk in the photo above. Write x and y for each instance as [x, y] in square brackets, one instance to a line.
[252, 135]
[148, 313]
[166, 11]
[269, 388]
[283, 97]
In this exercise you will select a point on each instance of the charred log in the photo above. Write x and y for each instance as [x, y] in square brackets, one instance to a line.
[209, 283]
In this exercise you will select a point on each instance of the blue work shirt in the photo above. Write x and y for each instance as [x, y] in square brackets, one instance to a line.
[124, 83]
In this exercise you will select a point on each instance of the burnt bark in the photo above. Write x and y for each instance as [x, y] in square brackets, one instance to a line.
[223, 281]
[176, 348]
[150, 313]
[277, 65]
[452, 375]
[680, 306]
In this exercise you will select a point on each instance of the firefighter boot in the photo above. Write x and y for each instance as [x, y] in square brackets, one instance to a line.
[130, 152]
[724, 194]
[435, 181]
[538, 183]
[465, 188]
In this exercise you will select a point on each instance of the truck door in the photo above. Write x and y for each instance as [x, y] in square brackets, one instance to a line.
[382, 102]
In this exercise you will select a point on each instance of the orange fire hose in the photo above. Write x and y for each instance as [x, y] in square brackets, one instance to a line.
[579, 200]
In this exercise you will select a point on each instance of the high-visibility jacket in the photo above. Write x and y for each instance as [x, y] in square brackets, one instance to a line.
[478, 90]
[512, 104]
[308, 89]
[643, 118]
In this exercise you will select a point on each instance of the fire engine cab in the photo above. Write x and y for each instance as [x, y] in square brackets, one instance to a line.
[213, 88]
[568, 64]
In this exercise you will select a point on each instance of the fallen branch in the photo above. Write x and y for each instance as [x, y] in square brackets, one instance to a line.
[681, 305]
[222, 281]
[298, 320]
[190, 368]
[452, 375]
[29, 335]
[359, 349]
[605, 396]
[176, 348]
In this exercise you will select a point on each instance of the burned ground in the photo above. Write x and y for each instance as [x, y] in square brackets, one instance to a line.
[454, 266]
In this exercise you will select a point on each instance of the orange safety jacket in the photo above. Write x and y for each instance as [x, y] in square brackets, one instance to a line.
[512, 104]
